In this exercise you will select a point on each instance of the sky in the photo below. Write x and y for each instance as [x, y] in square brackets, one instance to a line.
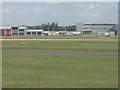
[64, 13]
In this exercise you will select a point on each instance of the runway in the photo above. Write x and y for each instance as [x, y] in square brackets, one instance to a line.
[60, 52]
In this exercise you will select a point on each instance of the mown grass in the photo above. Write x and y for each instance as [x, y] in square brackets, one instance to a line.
[23, 70]
[101, 46]
[62, 37]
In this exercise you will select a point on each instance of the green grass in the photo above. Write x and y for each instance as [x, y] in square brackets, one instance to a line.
[63, 37]
[101, 46]
[29, 70]
[34, 70]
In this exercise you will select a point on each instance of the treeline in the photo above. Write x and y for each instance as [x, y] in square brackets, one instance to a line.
[52, 27]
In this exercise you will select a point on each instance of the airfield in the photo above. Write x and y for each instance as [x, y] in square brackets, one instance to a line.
[60, 62]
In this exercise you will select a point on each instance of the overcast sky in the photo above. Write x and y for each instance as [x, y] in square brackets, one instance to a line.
[65, 13]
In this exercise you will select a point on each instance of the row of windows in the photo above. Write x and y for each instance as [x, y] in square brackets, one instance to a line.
[14, 29]
[33, 32]
[94, 28]
[21, 30]
[19, 34]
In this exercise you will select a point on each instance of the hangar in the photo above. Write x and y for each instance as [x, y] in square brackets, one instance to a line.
[94, 29]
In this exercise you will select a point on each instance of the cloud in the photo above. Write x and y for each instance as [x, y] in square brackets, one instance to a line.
[7, 10]
[21, 13]
[37, 11]
[5, 4]
[0, 8]
[72, 9]
[91, 15]
[55, 14]
[91, 6]
[0, 14]
[52, 11]
[84, 6]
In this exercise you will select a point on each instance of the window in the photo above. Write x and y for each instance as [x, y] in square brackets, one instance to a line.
[28, 32]
[14, 27]
[14, 33]
[21, 33]
[34, 33]
[39, 33]
[85, 28]
[104, 28]
[21, 29]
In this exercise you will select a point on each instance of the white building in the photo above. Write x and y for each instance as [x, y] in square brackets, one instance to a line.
[19, 31]
[35, 32]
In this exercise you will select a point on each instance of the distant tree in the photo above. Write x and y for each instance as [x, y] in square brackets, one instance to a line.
[53, 27]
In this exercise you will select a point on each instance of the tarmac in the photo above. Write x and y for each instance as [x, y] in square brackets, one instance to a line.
[58, 40]
[60, 52]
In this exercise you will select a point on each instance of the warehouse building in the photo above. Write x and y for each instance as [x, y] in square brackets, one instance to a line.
[95, 29]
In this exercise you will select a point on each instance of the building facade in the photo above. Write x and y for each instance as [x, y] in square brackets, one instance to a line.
[81, 29]
[19, 31]
[93, 29]
[5, 31]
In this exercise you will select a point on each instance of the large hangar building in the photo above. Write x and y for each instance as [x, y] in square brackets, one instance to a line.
[93, 29]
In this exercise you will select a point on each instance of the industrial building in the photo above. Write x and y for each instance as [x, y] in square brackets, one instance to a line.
[96, 29]
[19, 31]
[81, 29]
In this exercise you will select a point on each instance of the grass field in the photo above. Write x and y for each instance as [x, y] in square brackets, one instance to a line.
[23, 70]
[101, 46]
[38, 70]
